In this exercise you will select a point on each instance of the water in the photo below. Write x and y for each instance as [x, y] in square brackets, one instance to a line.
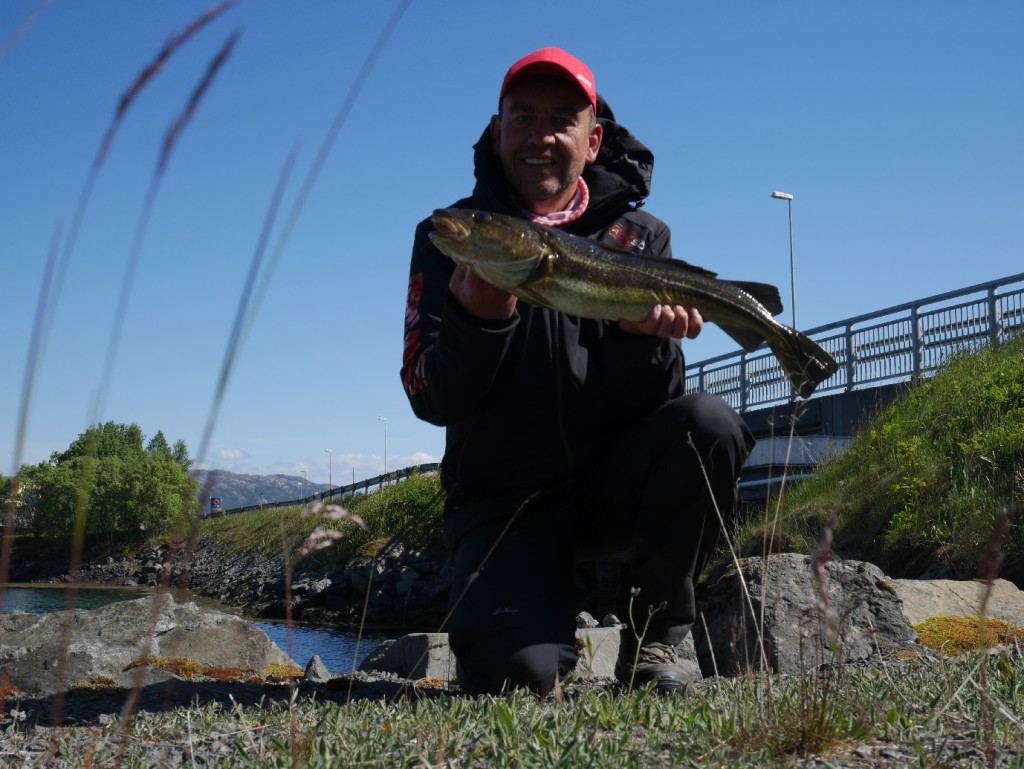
[337, 648]
[51, 598]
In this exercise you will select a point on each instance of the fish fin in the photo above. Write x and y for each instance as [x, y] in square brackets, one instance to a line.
[766, 294]
[662, 261]
[806, 364]
[744, 337]
[695, 268]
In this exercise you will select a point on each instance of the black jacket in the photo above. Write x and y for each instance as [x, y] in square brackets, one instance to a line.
[530, 401]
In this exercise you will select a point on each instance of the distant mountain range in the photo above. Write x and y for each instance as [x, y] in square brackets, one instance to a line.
[237, 490]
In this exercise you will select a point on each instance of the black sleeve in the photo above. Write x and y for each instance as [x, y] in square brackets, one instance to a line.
[450, 357]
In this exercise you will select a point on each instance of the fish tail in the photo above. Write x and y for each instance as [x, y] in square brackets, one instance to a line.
[806, 364]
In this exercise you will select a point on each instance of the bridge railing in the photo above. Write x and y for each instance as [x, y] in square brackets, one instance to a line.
[365, 486]
[898, 344]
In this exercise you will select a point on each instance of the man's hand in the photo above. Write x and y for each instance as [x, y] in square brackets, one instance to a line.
[667, 321]
[479, 297]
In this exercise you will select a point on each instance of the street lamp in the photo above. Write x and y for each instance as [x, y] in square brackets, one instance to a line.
[304, 479]
[792, 269]
[330, 481]
[385, 421]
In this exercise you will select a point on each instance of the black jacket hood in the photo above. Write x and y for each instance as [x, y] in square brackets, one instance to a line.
[620, 176]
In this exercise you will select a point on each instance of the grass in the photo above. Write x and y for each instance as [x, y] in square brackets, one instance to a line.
[410, 509]
[932, 712]
[923, 485]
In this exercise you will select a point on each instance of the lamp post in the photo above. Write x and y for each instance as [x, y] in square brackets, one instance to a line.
[330, 481]
[385, 421]
[792, 269]
[304, 479]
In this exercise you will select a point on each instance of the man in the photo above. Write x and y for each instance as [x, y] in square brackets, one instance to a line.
[567, 439]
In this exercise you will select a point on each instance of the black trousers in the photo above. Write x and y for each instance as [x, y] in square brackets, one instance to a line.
[652, 498]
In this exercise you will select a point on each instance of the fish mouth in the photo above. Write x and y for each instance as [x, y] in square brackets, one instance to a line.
[449, 225]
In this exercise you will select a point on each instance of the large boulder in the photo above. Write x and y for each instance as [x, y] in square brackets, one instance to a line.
[789, 614]
[41, 654]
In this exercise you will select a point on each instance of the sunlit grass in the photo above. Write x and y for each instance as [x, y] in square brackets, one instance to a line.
[927, 707]
[410, 509]
[924, 483]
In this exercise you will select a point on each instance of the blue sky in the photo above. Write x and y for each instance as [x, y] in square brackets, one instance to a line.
[895, 125]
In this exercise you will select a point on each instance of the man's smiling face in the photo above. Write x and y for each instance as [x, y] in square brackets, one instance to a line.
[544, 135]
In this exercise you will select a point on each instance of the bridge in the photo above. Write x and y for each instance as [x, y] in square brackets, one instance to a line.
[878, 355]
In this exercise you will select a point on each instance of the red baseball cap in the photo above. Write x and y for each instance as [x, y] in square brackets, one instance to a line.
[552, 61]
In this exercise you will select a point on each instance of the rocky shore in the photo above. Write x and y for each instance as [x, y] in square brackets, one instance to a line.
[401, 589]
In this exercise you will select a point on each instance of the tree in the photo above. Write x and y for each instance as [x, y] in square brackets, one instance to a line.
[109, 439]
[158, 444]
[52, 492]
[181, 456]
[108, 477]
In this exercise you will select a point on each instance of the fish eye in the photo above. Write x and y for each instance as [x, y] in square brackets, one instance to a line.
[479, 217]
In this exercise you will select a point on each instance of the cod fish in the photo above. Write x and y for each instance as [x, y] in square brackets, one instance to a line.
[576, 276]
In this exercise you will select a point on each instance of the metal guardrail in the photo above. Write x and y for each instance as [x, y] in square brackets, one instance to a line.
[901, 343]
[343, 492]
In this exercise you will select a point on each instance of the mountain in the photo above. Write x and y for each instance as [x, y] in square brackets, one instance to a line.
[237, 490]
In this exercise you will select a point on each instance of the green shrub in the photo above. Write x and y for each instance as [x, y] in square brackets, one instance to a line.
[925, 481]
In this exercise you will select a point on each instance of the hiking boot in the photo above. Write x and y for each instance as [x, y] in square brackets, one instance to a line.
[658, 663]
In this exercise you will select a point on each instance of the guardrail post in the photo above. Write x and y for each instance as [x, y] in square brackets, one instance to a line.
[743, 382]
[915, 342]
[850, 354]
[993, 317]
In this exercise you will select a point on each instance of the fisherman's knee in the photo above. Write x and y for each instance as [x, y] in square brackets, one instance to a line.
[500, 665]
[712, 429]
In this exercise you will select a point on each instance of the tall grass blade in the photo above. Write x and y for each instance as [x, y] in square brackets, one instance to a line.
[127, 99]
[325, 149]
[170, 139]
[32, 18]
[56, 269]
[758, 628]
[126, 287]
[24, 408]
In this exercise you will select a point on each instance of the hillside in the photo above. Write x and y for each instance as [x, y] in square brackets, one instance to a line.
[238, 490]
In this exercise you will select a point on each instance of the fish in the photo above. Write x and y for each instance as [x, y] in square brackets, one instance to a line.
[574, 275]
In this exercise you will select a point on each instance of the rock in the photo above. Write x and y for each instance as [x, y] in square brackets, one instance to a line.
[922, 599]
[316, 671]
[102, 643]
[408, 577]
[414, 656]
[850, 610]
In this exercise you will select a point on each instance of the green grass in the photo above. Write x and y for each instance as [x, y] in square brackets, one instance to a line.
[410, 509]
[924, 483]
[925, 709]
